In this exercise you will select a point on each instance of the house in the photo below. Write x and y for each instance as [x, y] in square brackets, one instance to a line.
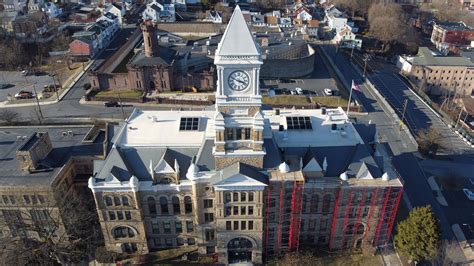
[160, 11]
[213, 16]
[35, 5]
[447, 36]
[345, 38]
[117, 9]
[302, 14]
[335, 18]
[52, 10]
[238, 182]
[32, 25]
[84, 45]
[6, 22]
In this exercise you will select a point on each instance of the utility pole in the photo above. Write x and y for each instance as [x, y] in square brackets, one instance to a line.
[121, 106]
[37, 102]
[366, 58]
[54, 84]
[459, 118]
[405, 103]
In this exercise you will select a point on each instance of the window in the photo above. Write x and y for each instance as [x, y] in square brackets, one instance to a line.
[326, 203]
[236, 225]
[314, 203]
[188, 205]
[5, 199]
[26, 198]
[243, 210]
[155, 228]
[189, 226]
[191, 241]
[250, 210]
[272, 202]
[210, 250]
[251, 197]
[235, 197]
[229, 133]
[236, 210]
[125, 201]
[227, 197]
[166, 227]
[228, 225]
[250, 225]
[111, 215]
[209, 234]
[243, 225]
[228, 211]
[116, 201]
[208, 203]
[151, 206]
[179, 241]
[169, 242]
[176, 205]
[164, 205]
[128, 215]
[123, 232]
[189, 123]
[243, 197]
[179, 227]
[120, 215]
[108, 201]
[238, 133]
[302, 122]
[34, 199]
[208, 217]
[247, 133]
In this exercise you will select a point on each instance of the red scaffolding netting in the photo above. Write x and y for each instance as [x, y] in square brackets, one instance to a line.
[295, 220]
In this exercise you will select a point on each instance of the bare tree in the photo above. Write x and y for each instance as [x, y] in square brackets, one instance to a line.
[355, 6]
[8, 116]
[63, 230]
[450, 253]
[430, 141]
[299, 258]
[224, 10]
[271, 4]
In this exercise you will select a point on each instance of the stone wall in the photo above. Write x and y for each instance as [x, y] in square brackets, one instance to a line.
[222, 162]
[287, 68]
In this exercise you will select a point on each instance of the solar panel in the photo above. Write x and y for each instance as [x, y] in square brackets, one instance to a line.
[189, 123]
[298, 122]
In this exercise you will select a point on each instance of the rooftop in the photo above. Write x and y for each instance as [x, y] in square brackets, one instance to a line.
[427, 57]
[67, 141]
[457, 26]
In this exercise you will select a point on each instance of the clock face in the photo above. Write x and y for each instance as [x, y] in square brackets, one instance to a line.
[238, 80]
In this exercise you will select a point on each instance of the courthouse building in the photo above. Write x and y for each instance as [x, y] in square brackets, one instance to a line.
[240, 182]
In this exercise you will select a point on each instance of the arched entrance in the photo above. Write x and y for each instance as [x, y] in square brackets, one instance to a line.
[239, 250]
[152, 86]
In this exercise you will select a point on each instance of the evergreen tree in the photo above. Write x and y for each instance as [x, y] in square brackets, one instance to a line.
[418, 236]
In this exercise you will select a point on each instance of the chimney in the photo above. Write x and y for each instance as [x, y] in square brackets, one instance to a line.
[150, 39]
[35, 149]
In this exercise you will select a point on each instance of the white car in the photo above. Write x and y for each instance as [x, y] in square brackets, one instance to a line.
[299, 91]
[328, 92]
[469, 193]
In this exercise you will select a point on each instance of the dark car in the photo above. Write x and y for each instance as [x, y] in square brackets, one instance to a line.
[111, 104]
[87, 86]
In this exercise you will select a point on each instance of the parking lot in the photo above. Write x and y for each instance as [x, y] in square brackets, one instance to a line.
[312, 85]
[18, 82]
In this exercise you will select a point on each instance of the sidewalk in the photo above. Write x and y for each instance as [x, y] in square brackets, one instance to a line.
[63, 94]
[389, 256]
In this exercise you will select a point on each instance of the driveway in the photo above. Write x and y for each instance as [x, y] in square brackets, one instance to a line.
[20, 82]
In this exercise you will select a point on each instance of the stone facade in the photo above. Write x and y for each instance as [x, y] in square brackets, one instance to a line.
[222, 162]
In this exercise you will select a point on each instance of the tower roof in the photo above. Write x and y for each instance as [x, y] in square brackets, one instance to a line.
[237, 39]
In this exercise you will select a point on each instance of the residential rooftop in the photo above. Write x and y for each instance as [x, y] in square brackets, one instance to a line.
[427, 57]
[455, 26]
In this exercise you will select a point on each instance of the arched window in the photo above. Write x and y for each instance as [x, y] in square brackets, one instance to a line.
[227, 197]
[360, 229]
[151, 206]
[125, 201]
[108, 201]
[305, 204]
[235, 197]
[251, 196]
[188, 205]
[243, 196]
[314, 203]
[327, 203]
[164, 205]
[176, 206]
[116, 200]
[123, 232]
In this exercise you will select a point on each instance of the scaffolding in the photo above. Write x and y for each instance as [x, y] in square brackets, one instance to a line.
[387, 217]
[346, 219]
[371, 212]
[295, 221]
[334, 221]
[267, 218]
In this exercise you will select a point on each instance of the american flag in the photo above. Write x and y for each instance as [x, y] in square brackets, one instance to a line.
[355, 86]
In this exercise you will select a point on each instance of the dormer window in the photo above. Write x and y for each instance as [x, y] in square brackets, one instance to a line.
[189, 123]
[298, 122]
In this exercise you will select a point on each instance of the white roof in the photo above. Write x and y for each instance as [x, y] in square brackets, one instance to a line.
[237, 39]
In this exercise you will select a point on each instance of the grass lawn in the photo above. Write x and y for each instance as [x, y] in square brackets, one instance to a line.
[123, 93]
[330, 101]
[286, 100]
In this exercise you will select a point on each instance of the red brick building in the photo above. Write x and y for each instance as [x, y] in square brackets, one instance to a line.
[447, 36]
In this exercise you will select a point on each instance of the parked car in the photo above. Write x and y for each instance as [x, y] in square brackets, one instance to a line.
[87, 86]
[25, 72]
[299, 91]
[24, 95]
[469, 194]
[111, 104]
[328, 92]
[4, 86]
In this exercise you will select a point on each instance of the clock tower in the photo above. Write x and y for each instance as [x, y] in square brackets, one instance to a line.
[238, 121]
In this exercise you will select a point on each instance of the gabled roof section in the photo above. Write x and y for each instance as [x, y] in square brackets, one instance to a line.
[310, 163]
[240, 175]
[167, 163]
[116, 167]
[237, 39]
[363, 164]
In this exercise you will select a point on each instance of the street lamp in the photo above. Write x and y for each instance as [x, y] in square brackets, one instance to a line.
[366, 59]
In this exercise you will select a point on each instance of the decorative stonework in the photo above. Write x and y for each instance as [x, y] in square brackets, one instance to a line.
[222, 162]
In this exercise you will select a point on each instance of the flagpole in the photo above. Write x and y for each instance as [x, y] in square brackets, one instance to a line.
[350, 96]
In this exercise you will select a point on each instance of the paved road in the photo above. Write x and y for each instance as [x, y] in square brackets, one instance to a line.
[404, 159]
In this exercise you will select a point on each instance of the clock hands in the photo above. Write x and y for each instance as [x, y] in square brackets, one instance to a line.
[238, 80]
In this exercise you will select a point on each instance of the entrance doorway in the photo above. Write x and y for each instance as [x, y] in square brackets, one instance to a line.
[239, 250]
